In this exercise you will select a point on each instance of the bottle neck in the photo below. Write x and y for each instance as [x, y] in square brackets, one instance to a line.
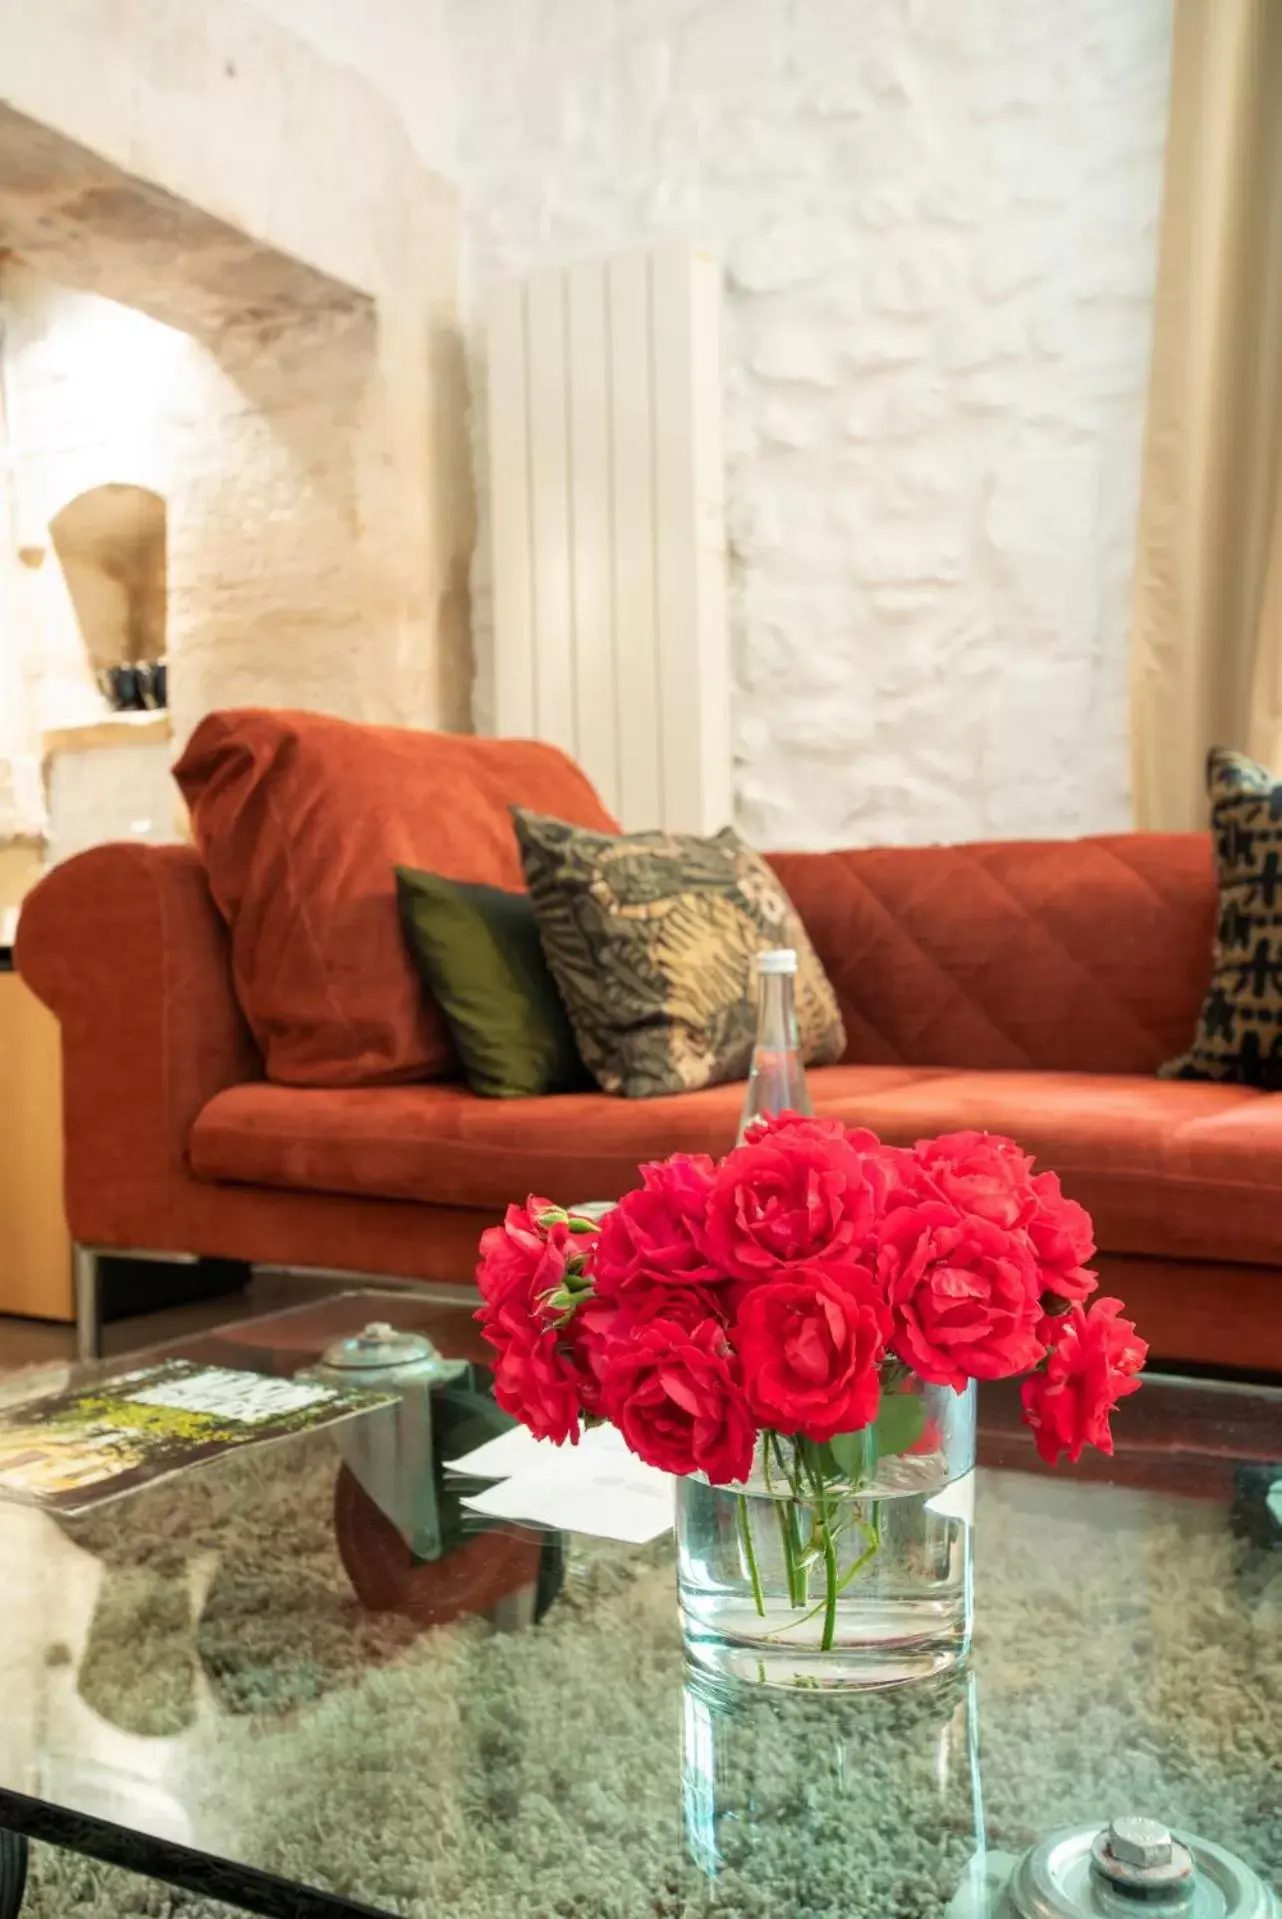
[776, 1079]
[776, 1012]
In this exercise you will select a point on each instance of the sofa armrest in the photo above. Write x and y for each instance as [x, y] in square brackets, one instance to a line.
[126, 947]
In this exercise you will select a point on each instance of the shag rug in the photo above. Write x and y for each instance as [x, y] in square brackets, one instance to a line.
[1128, 1656]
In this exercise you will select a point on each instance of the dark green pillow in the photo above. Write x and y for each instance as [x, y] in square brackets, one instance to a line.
[477, 949]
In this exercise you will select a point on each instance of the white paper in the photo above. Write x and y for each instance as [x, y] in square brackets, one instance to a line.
[518, 1451]
[595, 1487]
[616, 1499]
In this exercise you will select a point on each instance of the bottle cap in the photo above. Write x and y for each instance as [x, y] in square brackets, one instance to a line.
[780, 959]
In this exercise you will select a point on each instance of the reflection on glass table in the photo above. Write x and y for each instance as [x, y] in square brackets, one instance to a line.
[305, 1679]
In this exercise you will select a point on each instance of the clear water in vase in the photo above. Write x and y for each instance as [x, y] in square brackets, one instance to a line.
[871, 1587]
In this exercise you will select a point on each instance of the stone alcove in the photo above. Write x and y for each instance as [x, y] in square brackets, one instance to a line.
[296, 422]
[233, 387]
[111, 543]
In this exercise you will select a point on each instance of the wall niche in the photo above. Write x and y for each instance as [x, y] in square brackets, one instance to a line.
[112, 544]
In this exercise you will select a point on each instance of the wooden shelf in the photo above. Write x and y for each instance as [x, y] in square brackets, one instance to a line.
[114, 729]
[35, 1249]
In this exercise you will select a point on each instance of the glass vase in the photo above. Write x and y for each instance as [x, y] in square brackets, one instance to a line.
[800, 1802]
[838, 1565]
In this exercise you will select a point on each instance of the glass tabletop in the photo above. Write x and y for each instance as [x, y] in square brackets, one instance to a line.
[304, 1678]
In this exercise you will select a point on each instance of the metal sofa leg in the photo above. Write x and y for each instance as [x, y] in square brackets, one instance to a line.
[87, 1265]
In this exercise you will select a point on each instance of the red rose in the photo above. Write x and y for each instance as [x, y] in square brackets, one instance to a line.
[906, 1179]
[979, 1173]
[1063, 1239]
[522, 1263]
[525, 1266]
[536, 1380]
[964, 1293]
[599, 1324]
[602, 1319]
[655, 1232]
[804, 1195]
[810, 1343]
[672, 1393]
[1093, 1359]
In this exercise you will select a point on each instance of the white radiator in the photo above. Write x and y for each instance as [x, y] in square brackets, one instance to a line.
[608, 529]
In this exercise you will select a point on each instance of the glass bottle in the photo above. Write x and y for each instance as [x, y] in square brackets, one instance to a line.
[777, 1080]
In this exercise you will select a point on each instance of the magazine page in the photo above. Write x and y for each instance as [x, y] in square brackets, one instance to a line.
[70, 1451]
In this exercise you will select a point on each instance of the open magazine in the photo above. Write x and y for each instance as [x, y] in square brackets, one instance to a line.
[71, 1451]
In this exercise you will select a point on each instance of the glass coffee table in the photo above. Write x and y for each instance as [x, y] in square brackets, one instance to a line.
[305, 1680]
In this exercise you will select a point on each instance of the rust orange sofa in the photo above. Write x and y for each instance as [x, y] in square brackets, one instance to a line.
[1027, 988]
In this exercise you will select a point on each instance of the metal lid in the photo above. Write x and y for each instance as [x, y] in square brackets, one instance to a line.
[377, 1347]
[779, 960]
[1136, 1866]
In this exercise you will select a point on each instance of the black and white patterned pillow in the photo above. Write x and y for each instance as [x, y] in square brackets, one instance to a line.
[1239, 1034]
[652, 940]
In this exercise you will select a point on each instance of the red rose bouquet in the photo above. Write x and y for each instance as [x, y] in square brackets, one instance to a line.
[780, 1311]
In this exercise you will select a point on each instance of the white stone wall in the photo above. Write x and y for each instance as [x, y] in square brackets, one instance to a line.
[938, 224]
[110, 793]
[937, 219]
[250, 445]
[90, 387]
[303, 414]
[402, 47]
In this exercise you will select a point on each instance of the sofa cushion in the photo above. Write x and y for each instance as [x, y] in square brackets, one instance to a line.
[1171, 1169]
[653, 938]
[1168, 1168]
[441, 1143]
[301, 820]
[1239, 1033]
[1074, 955]
[478, 951]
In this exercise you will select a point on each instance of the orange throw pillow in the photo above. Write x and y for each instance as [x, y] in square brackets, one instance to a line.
[302, 821]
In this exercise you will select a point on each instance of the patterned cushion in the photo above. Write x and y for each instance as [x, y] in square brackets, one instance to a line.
[651, 938]
[1239, 1035]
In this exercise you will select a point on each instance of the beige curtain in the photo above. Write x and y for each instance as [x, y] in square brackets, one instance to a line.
[1208, 611]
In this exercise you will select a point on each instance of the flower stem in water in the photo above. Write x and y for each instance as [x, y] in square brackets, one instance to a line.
[830, 1578]
[750, 1554]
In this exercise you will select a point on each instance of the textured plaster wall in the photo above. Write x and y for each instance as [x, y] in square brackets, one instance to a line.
[238, 289]
[230, 112]
[937, 221]
[110, 793]
[938, 227]
[250, 442]
[88, 387]
[403, 48]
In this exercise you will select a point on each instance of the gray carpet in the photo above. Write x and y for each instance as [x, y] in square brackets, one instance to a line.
[1132, 1660]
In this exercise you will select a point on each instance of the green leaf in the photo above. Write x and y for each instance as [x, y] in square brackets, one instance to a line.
[850, 1452]
[900, 1422]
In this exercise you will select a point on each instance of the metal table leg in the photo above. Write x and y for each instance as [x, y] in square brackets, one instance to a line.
[13, 1872]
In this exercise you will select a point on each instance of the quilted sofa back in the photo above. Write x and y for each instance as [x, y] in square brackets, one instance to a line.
[1073, 955]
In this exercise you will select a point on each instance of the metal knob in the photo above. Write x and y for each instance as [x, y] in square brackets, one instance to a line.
[1141, 1855]
[1140, 1842]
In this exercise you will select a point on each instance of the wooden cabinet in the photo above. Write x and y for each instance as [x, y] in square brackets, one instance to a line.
[35, 1250]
